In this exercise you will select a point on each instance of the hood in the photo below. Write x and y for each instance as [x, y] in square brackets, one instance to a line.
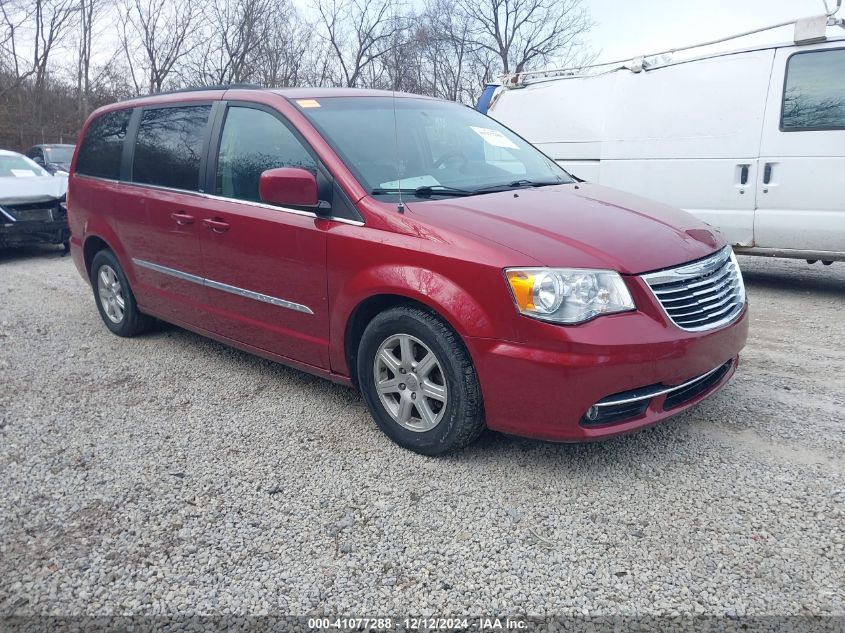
[35, 189]
[578, 226]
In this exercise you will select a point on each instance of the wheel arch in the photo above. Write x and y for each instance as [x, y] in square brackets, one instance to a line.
[361, 317]
[93, 244]
[427, 290]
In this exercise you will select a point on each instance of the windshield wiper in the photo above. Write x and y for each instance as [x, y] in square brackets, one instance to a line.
[517, 184]
[426, 191]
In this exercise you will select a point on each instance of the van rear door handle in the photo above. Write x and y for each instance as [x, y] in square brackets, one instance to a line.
[182, 218]
[767, 174]
[217, 225]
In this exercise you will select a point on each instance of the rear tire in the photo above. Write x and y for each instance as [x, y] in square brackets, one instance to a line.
[418, 381]
[114, 298]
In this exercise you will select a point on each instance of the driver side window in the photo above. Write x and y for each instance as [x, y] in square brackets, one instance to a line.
[252, 142]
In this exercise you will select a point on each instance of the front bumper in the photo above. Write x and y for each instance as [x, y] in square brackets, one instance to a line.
[31, 223]
[22, 233]
[545, 388]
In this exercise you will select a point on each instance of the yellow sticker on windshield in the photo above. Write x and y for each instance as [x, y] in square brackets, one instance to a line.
[308, 103]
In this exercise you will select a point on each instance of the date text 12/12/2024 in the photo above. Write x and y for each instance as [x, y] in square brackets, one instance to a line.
[418, 623]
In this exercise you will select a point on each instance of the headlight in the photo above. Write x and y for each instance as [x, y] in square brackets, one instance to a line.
[564, 295]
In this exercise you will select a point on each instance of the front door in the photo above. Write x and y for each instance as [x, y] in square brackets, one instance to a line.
[265, 266]
[800, 202]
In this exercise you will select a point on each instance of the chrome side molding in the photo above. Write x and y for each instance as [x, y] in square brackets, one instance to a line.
[216, 285]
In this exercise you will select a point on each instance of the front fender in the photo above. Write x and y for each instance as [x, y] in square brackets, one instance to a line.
[454, 303]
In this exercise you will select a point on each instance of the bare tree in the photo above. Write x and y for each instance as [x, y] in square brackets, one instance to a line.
[32, 31]
[449, 53]
[359, 34]
[52, 20]
[236, 30]
[288, 54]
[444, 48]
[156, 35]
[89, 11]
[525, 32]
[16, 69]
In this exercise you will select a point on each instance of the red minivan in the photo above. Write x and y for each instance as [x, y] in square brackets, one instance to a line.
[409, 246]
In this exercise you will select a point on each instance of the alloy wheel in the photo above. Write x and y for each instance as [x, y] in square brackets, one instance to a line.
[410, 383]
[111, 294]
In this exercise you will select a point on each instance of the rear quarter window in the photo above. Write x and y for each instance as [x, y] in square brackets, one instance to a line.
[102, 147]
[170, 146]
[814, 92]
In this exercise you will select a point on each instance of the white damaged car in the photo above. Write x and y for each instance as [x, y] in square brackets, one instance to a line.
[32, 203]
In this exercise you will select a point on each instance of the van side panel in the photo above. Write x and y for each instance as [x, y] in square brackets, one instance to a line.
[689, 135]
[563, 118]
[802, 207]
[686, 134]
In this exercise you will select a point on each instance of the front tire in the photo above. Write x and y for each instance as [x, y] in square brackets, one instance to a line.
[418, 381]
[114, 297]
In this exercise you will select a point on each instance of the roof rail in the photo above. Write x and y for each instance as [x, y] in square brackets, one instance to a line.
[200, 89]
[637, 64]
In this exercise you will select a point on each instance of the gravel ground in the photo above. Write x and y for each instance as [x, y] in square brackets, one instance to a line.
[170, 474]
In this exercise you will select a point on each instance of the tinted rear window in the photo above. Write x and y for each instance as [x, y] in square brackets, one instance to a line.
[101, 149]
[170, 145]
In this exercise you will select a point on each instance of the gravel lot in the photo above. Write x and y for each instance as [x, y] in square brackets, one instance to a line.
[170, 474]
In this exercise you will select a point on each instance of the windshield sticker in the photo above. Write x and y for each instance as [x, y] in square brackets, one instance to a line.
[308, 103]
[411, 183]
[23, 173]
[494, 137]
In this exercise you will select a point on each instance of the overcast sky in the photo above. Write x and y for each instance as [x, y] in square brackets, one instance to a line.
[629, 28]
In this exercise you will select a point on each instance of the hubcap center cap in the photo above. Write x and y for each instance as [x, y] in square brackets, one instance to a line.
[412, 381]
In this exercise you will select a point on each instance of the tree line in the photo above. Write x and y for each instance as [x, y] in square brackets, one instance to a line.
[60, 59]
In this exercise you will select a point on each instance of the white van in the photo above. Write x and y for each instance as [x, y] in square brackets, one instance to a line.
[752, 142]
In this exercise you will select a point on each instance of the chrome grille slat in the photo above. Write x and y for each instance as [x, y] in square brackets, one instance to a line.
[701, 299]
[726, 309]
[700, 295]
[731, 298]
[712, 279]
[704, 302]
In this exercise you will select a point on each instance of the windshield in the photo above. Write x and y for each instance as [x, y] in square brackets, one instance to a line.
[61, 154]
[439, 146]
[16, 166]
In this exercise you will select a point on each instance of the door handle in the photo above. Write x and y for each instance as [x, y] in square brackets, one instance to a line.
[767, 174]
[217, 225]
[182, 218]
[743, 174]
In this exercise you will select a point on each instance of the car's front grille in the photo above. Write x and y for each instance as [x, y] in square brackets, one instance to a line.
[43, 211]
[701, 295]
[31, 215]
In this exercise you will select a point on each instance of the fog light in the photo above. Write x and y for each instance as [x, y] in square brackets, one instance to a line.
[592, 413]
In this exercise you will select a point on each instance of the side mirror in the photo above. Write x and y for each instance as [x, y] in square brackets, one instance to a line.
[288, 186]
